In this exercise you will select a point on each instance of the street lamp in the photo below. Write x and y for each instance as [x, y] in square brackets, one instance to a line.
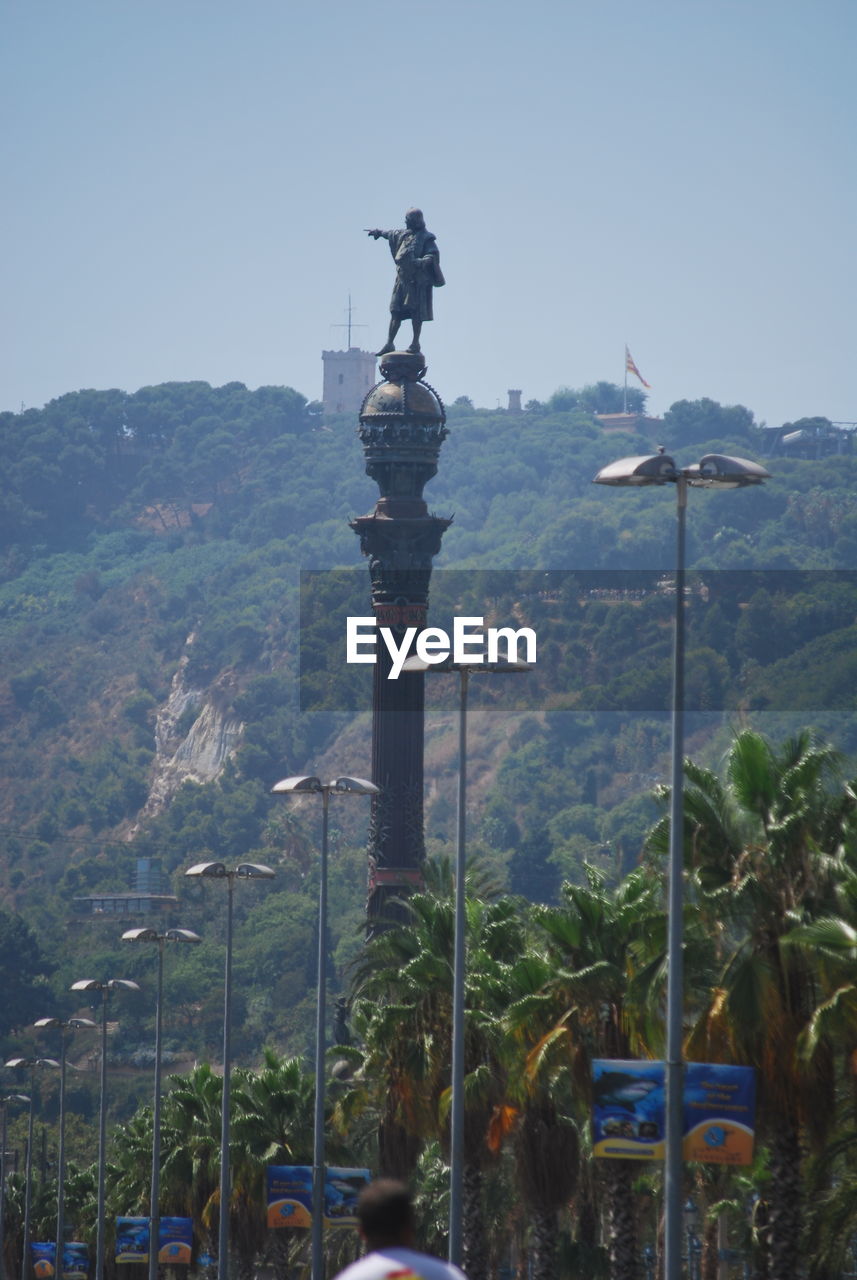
[4, 1102]
[308, 785]
[714, 470]
[33, 1064]
[106, 989]
[218, 871]
[152, 935]
[72, 1024]
[456, 1125]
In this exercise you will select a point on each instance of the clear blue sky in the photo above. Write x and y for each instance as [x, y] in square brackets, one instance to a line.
[185, 184]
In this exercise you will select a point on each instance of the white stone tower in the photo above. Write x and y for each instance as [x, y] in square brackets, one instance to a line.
[348, 376]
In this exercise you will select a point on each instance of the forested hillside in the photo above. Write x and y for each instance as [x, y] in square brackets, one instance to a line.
[151, 546]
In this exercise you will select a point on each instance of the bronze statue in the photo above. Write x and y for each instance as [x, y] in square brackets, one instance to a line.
[417, 260]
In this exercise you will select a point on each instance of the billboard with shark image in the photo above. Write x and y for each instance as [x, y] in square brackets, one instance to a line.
[628, 1111]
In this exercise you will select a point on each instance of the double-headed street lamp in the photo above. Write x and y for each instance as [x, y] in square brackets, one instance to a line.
[713, 471]
[307, 785]
[71, 1024]
[456, 1121]
[4, 1102]
[33, 1064]
[219, 871]
[152, 935]
[106, 989]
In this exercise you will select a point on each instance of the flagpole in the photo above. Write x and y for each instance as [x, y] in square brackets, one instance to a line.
[625, 392]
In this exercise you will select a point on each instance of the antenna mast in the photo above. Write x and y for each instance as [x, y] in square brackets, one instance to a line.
[350, 325]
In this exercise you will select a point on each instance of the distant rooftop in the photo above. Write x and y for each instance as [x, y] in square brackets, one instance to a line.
[124, 904]
[626, 421]
[144, 899]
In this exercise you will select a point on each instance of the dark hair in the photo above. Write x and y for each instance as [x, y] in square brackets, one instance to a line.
[385, 1210]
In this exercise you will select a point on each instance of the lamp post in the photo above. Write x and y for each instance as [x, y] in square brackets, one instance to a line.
[33, 1064]
[218, 871]
[314, 786]
[714, 470]
[4, 1102]
[152, 935]
[459, 967]
[105, 989]
[72, 1024]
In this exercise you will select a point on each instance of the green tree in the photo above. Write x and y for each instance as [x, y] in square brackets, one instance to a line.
[537, 1112]
[273, 1124]
[402, 1003]
[190, 1146]
[130, 1179]
[767, 850]
[698, 421]
[24, 972]
[605, 952]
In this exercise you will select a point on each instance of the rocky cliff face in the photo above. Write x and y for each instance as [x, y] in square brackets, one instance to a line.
[195, 751]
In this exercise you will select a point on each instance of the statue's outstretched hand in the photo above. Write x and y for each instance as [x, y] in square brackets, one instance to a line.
[374, 232]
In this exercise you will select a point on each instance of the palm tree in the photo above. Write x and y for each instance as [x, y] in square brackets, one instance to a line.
[768, 850]
[13, 1223]
[130, 1171]
[831, 1173]
[190, 1150]
[402, 1014]
[81, 1198]
[495, 939]
[536, 1114]
[831, 1187]
[431, 1199]
[605, 956]
[402, 1011]
[273, 1125]
[42, 1217]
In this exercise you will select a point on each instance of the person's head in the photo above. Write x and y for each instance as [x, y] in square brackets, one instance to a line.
[386, 1214]
[414, 220]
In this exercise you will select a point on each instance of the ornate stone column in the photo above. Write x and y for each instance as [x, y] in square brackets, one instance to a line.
[402, 426]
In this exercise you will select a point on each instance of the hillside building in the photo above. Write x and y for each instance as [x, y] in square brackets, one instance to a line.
[612, 422]
[150, 895]
[810, 438]
[348, 377]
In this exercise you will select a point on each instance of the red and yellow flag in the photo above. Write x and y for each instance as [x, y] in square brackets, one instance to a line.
[632, 368]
